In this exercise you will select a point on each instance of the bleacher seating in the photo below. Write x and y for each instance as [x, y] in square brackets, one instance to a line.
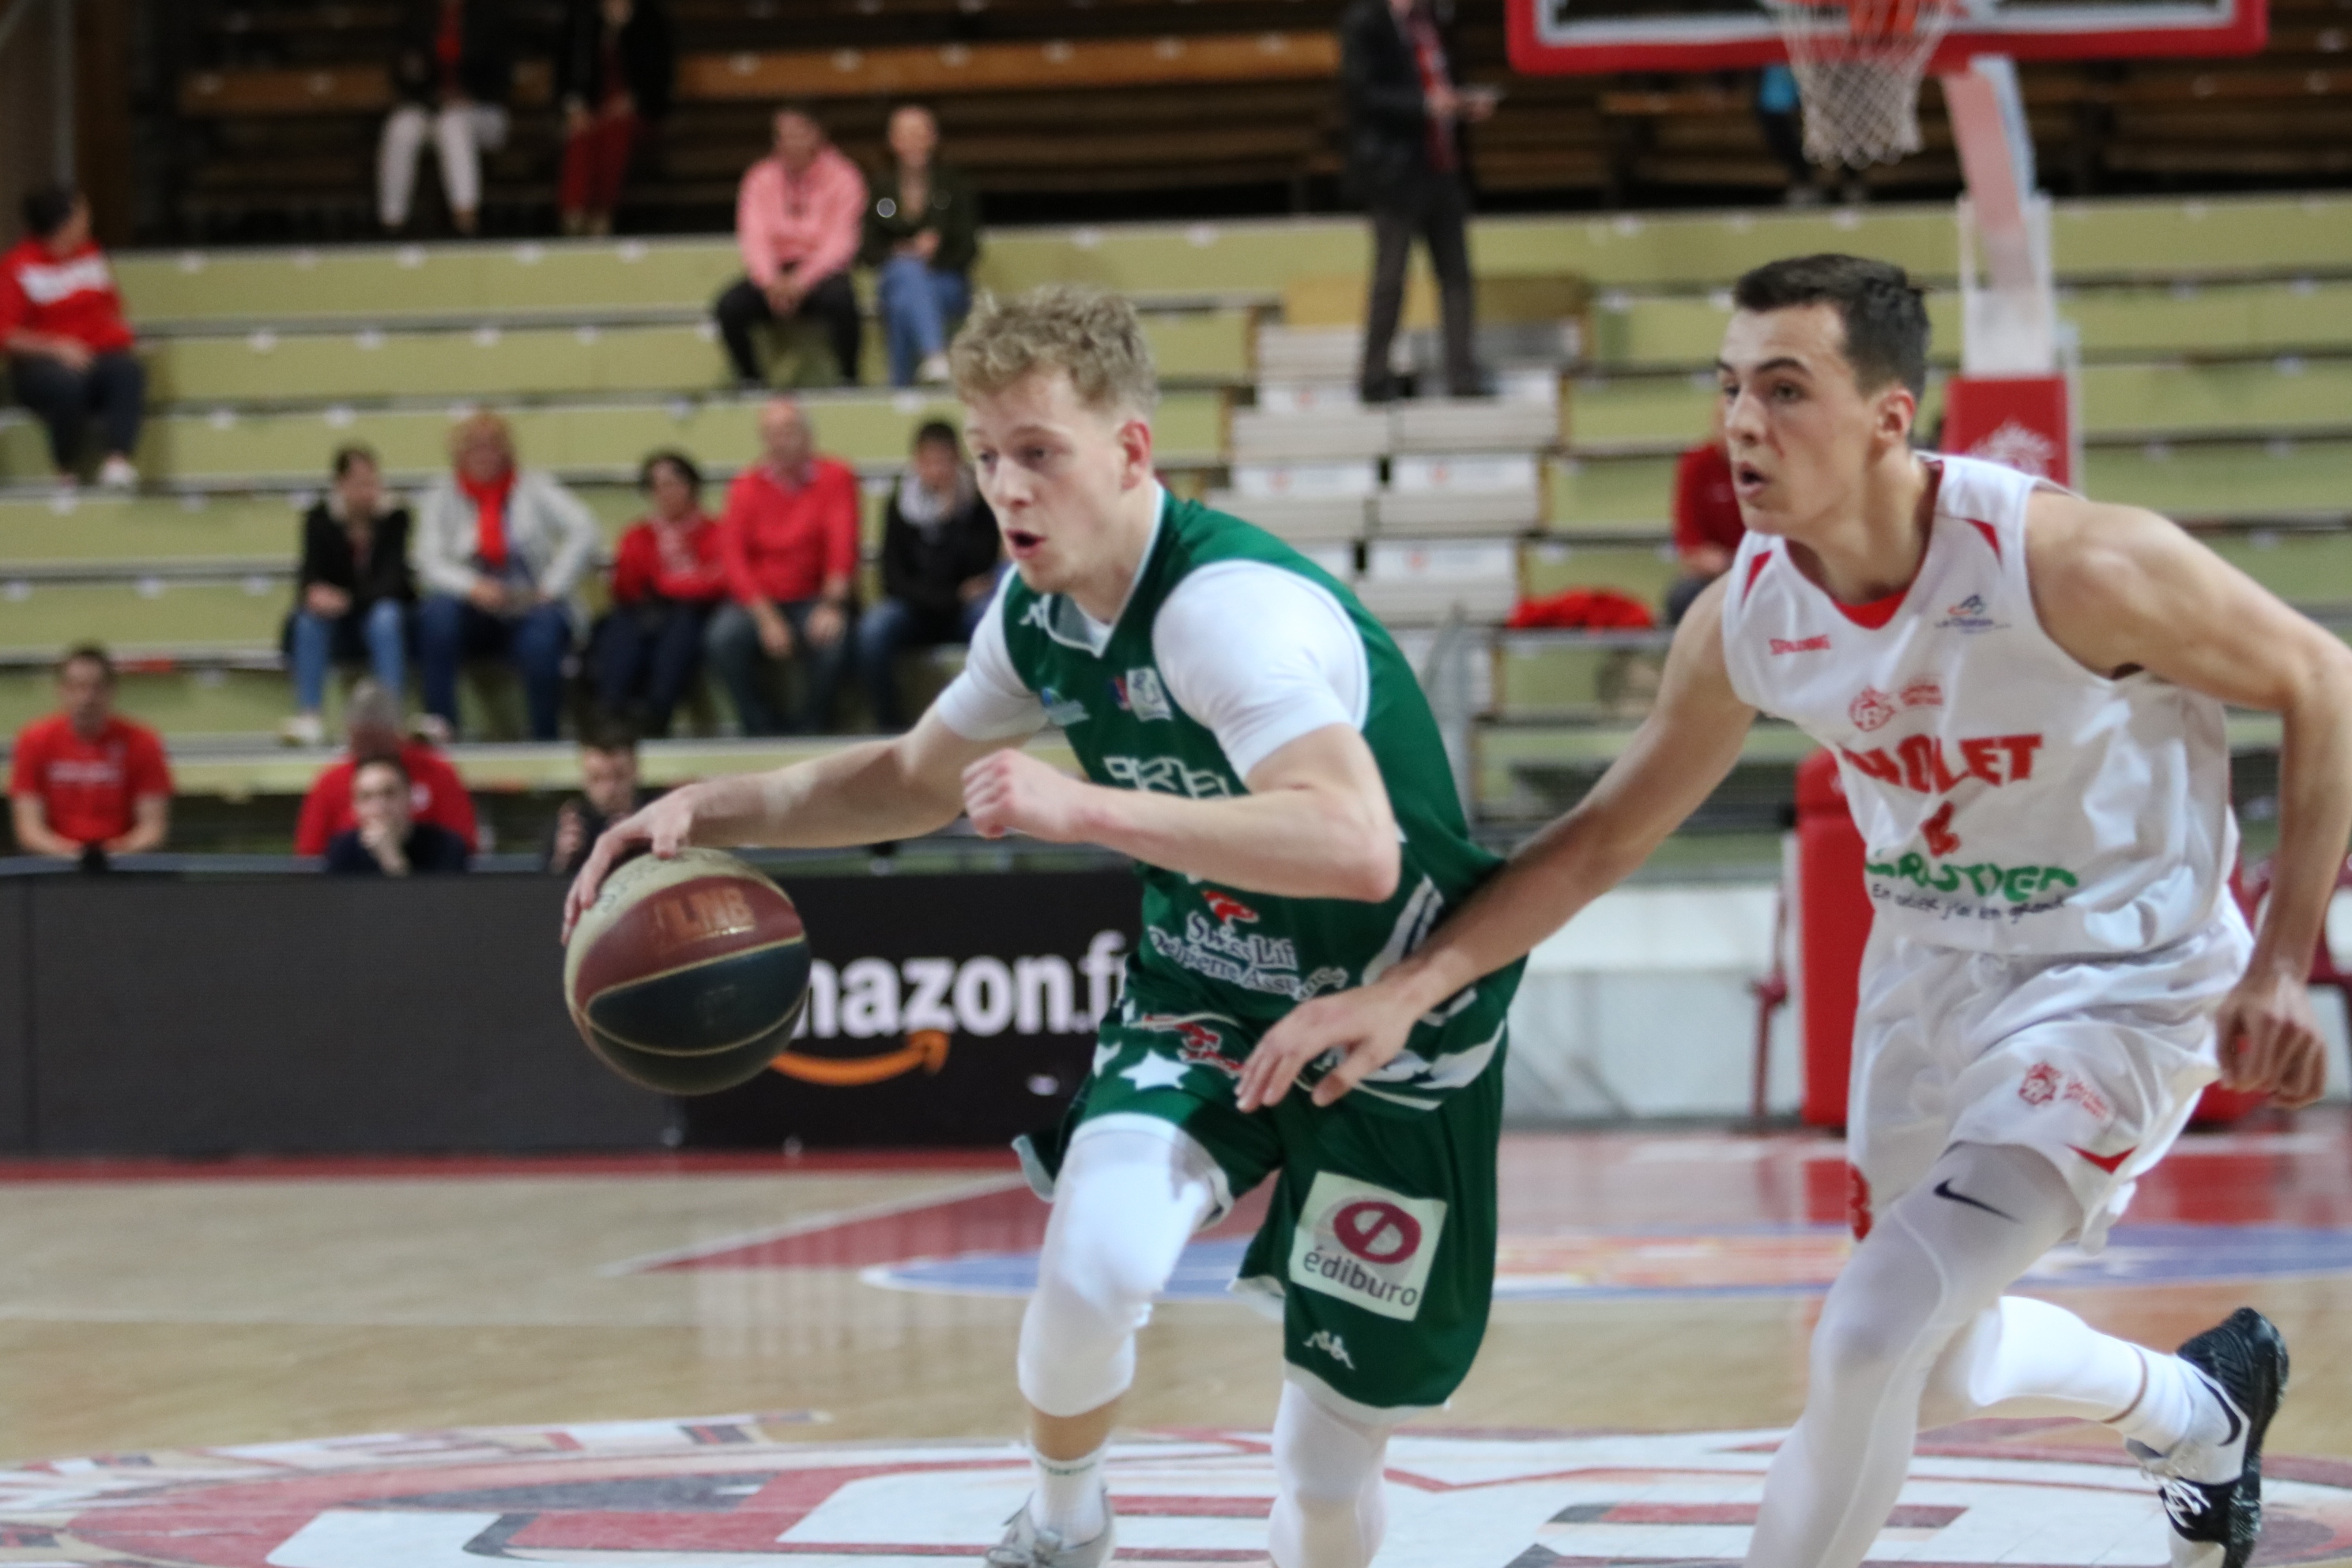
[2218, 386]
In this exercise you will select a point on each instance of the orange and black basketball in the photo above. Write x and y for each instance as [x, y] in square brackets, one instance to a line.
[687, 975]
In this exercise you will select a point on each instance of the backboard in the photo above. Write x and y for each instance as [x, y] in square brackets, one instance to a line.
[1583, 38]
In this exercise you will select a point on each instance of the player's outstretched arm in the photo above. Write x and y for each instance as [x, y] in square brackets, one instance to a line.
[1317, 823]
[2123, 589]
[872, 794]
[1680, 753]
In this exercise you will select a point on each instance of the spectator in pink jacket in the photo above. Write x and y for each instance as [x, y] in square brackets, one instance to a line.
[799, 217]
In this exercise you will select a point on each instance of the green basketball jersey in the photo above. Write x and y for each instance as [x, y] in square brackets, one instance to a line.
[1253, 956]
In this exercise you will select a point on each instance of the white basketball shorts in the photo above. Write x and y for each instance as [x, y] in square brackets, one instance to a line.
[2093, 1062]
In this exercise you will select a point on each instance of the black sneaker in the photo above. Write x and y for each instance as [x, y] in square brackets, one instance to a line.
[2213, 1492]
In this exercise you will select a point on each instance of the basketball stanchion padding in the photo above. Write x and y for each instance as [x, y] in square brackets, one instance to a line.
[687, 975]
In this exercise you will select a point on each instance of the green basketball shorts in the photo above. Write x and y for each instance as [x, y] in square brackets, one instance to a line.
[1379, 1247]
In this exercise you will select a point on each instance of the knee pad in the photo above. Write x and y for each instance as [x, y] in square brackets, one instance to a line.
[1124, 1205]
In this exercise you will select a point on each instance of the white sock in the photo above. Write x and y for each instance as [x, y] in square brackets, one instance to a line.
[2178, 1403]
[2024, 1357]
[1069, 1496]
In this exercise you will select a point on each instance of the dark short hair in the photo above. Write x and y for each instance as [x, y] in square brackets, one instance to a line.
[676, 459]
[88, 653]
[1884, 313]
[47, 207]
[609, 735]
[383, 760]
[356, 452]
[801, 107]
[938, 432]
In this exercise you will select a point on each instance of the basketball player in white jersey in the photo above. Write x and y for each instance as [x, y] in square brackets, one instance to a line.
[2025, 690]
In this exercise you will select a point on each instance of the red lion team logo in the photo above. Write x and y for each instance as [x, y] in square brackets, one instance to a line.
[1872, 709]
[1226, 907]
[2043, 1083]
[1377, 1232]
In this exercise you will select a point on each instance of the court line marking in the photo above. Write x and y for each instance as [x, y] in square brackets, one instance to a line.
[648, 1261]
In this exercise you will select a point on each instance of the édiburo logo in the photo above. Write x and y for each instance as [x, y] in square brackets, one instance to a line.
[1367, 1244]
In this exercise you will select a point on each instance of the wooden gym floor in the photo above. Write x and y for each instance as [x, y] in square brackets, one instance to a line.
[1652, 1283]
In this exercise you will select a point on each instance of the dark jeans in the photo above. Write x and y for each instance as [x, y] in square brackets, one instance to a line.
[1784, 134]
[1436, 207]
[742, 307]
[450, 630]
[657, 644]
[733, 644]
[891, 628]
[114, 389]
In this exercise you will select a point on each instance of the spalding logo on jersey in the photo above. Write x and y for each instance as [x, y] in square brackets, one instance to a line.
[1365, 1245]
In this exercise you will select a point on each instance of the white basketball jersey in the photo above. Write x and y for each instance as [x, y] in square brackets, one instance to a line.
[2010, 800]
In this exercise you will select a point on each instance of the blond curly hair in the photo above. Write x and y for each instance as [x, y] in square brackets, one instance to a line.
[1092, 335]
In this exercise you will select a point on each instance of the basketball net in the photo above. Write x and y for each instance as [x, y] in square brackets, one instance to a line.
[1858, 64]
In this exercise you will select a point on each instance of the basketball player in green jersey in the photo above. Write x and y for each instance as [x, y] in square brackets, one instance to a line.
[1253, 739]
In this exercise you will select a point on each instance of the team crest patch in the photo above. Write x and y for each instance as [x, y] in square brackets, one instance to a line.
[1061, 711]
[1139, 692]
[1367, 1244]
[1872, 708]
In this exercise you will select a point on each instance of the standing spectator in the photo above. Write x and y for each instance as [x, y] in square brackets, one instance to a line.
[453, 71]
[612, 78]
[86, 781]
[608, 791]
[1778, 118]
[798, 223]
[385, 839]
[789, 537]
[668, 576]
[67, 345]
[371, 722]
[922, 231]
[940, 554]
[1708, 529]
[501, 553]
[353, 592]
[1404, 144]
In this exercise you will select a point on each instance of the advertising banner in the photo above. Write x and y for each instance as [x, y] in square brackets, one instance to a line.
[2022, 421]
[942, 1009]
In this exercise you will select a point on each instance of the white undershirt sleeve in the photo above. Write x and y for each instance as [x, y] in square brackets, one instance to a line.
[988, 700]
[1260, 656]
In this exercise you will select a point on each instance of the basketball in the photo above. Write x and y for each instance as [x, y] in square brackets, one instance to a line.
[687, 975]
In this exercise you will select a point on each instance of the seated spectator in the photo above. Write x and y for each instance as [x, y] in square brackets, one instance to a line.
[939, 555]
[85, 781]
[452, 70]
[501, 552]
[353, 592]
[67, 345]
[385, 839]
[608, 791]
[668, 577]
[789, 538]
[612, 76]
[1708, 529]
[435, 793]
[798, 225]
[922, 232]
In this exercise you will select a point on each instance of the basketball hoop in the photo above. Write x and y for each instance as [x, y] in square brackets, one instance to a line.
[1858, 64]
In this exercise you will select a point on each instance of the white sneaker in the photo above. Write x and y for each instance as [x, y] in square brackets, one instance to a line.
[933, 371]
[1026, 1546]
[303, 729]
[117, 474]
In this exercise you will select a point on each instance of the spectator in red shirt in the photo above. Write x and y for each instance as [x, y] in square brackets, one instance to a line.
[800, 217]
[668, 576]
[789, 538]
[1708, 529]
[87, 782]
[68, 347]
[435, 793]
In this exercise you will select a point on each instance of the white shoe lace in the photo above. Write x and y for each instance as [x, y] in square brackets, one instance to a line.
[2184, 1503]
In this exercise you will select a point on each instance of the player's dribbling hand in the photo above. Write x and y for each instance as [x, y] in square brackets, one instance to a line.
[1007, 792]
[1365, 1028]
[2270, 1040]
[667, 826]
